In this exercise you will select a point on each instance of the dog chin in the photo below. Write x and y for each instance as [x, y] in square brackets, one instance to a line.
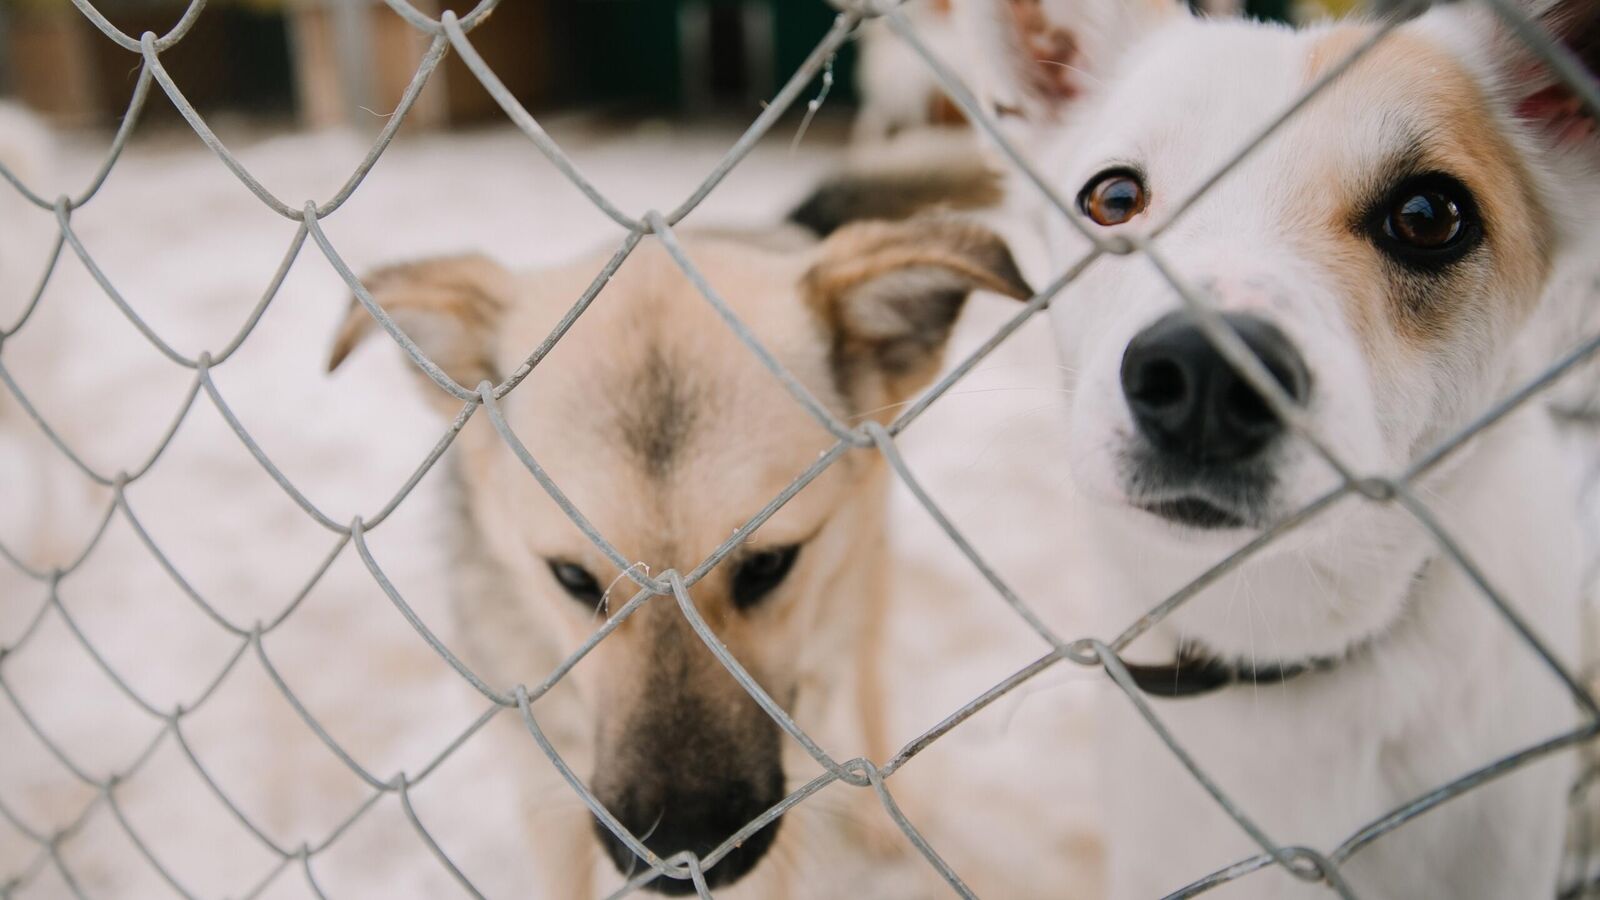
[1192, 512]
[1191, 501]
[1187, 531]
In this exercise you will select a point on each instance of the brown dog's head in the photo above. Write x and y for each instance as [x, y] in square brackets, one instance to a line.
[667, 434]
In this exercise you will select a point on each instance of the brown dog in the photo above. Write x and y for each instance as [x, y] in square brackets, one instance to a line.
[668, 434]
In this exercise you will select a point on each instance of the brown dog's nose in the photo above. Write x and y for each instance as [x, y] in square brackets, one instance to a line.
[1189, 402]
[675, 818]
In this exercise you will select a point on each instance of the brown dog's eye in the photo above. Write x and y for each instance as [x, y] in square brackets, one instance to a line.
[1113, 197]
[760, 573]
[1427, 222]
[576, 580]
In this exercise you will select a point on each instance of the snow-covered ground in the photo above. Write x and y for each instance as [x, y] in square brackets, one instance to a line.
[191, 249]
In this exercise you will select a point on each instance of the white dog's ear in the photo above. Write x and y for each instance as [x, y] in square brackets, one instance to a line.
[1535, 93]
[1035, 58]
[450, 306]
[890, 293]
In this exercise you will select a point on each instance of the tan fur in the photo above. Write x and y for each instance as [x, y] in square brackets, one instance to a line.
[872, 249]
[851, 287]
[667, 434]
[1462, 138]
[454, 299]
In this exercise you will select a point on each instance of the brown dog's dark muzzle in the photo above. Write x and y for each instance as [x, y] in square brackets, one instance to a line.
[697, 760]
[676, 818]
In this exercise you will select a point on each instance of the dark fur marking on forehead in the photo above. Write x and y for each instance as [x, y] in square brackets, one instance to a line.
[656, 413]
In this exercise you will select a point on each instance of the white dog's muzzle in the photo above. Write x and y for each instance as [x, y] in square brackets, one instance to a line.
[1200, 455]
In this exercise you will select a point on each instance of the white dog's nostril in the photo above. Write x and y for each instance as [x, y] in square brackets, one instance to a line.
[1248, 406]
[1160, 384]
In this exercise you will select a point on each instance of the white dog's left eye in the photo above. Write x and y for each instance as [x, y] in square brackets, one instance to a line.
[1113, 197]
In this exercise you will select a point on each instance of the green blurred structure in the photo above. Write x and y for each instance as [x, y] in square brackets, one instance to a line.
[677, 54]
[1269, 9]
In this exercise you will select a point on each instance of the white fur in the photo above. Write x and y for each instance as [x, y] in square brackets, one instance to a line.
[25, 152]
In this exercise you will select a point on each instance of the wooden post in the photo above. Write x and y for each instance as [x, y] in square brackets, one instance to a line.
[353, 60]
[49, 64]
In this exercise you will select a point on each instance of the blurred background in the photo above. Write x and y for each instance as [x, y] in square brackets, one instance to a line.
[289, 64]
[316, 63]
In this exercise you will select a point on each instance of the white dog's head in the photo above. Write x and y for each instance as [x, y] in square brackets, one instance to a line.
[1384, 254]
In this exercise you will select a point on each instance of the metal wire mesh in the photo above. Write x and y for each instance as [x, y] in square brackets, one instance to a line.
[451, 33]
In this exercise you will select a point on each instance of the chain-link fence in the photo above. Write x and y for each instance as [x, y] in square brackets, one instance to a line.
[451, 34]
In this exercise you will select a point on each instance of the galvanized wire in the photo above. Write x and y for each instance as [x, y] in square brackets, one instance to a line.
[450, 33]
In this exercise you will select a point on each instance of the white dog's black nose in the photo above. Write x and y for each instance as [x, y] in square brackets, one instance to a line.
[1187, 400]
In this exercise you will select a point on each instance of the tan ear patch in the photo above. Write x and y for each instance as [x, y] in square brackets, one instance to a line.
[1462, 137]
[968, 252]
[448, 306]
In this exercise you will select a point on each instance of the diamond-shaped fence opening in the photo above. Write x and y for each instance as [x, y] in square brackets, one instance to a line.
[54, 856]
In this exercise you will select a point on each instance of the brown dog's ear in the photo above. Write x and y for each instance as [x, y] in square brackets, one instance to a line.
[449, 306]
[890, 294]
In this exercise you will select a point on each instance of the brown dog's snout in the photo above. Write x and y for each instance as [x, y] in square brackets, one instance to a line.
[670, 817]
[694, 761]
[1188, 401]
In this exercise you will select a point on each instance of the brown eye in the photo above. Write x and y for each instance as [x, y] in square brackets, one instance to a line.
[760, 574]
[1113, 197]
[577, 581]
[1427, 222]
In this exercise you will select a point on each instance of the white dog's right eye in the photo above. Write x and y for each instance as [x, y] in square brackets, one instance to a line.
[1427, 222]
[1113, 197]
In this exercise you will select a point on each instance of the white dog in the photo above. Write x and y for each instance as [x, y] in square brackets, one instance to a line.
[1412, 246]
